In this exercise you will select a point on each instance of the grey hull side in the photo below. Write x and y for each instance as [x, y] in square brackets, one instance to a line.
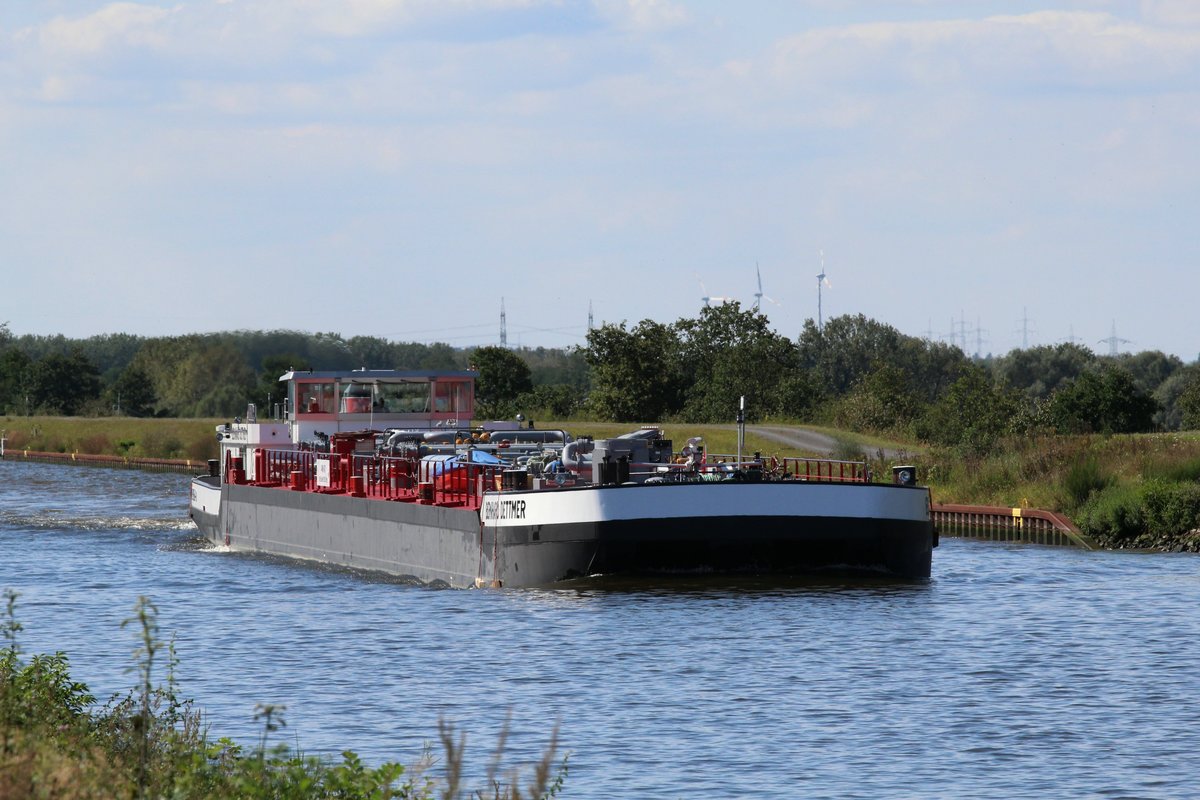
[428, 543]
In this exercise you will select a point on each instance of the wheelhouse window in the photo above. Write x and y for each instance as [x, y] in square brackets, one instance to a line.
[452, 397]
[356, 398]
[410, 397]
[315, 398]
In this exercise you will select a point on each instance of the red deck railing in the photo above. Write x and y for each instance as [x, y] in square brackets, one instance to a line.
[460, 484]
[396, 478]
[820, 469]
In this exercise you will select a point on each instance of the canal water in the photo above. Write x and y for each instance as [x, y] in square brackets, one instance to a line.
[1016, 672]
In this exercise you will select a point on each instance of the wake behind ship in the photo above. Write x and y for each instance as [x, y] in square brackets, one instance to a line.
[382, 470]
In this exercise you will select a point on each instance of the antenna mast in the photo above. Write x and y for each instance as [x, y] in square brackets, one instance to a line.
[590, 322]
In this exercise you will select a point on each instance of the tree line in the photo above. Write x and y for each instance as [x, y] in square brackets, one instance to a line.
[217, 374]
[853, 373]
[859, 374]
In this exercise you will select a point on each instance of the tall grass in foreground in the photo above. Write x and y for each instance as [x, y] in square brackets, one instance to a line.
[55, 742]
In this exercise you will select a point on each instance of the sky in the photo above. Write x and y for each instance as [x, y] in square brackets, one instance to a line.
[1015, 172]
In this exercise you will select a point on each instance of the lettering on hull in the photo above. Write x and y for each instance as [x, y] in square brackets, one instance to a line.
[503, 509]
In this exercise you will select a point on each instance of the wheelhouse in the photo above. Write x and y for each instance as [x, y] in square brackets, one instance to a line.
[376, 399]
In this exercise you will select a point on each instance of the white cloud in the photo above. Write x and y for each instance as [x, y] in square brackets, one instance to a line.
[643, 16]
[1071, 48]
[1172, 12]
[116, 26]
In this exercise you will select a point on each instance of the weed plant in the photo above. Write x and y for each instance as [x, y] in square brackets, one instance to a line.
[1082, 479]
[56, 743]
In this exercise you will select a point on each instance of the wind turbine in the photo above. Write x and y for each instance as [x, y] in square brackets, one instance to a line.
[710, 300]
[821, 281]
[758, 296]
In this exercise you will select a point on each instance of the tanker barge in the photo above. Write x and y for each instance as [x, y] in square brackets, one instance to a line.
[382, 470]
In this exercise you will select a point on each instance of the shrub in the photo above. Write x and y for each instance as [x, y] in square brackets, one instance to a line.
[1102, 401]
[881, 401]
[1082, 479]
[846, 449]
[97, 444]
[148, 743]
[200, 448]
[157, 444]
[1170, 508]
[1113, 516]
[972, 416]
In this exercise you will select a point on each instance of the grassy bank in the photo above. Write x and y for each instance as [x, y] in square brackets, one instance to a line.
[56, 741]
[1128, 491]
[193, 439]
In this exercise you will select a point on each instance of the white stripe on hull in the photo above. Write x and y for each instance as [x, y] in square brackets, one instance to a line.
[690, 501]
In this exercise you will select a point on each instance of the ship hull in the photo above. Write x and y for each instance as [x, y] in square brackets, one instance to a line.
[536, 538]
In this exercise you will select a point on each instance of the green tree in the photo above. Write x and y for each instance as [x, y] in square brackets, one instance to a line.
[503, 376]
[1149, 368]
[15, 369]
[849, 348]
[218, 382]
[551, 365]
[1040, 371]
[1104, 400]
[1189, 402]
[728, 353]
[439, 356]
[63, 384]
[270, 391]
[846, 349]
[636, 373]
[132, 393]
[1169, 395]
[110, 352]
[197, 376]
[551, 401]
[882, 401]
[973, 415]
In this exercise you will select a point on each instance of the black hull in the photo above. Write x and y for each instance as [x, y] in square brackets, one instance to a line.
[739, 545]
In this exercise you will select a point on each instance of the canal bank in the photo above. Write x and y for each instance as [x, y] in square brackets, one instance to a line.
[181, 465]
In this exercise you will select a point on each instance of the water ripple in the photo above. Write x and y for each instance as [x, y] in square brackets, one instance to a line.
[1016, 672]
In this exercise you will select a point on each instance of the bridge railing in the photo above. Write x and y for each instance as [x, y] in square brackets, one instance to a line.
[1006, 524]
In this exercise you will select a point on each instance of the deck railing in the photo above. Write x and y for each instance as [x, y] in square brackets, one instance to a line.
[1006, 524]
[458, 483]
[823, 469]
[381, 477]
